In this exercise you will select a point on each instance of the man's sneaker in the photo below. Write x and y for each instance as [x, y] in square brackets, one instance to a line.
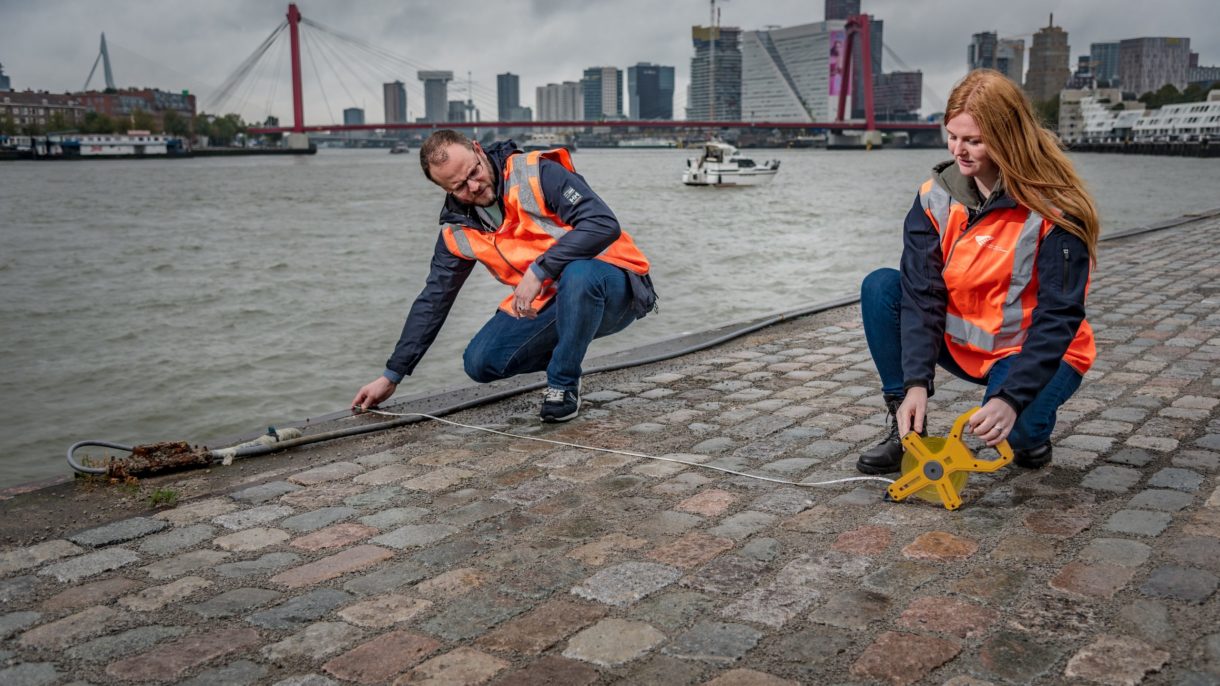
[886, 456]
[1033, 458]
[559, 405]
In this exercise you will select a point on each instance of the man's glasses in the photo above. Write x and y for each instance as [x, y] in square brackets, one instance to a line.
[471, 177]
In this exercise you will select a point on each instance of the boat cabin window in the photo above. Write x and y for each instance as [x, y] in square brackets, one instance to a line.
[744, 163]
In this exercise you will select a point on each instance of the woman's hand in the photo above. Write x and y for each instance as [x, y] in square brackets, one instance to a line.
[913, 411]
[993, 422]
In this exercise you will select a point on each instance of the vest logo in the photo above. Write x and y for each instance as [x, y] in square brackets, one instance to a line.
[986, 242]
[571, 195]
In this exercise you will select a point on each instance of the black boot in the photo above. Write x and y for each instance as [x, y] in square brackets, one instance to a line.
[1033, 458]
[886, 456]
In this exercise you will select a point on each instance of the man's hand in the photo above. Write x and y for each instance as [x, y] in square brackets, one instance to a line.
[993, 422]
[373, 393]
[523, 296]
[913, 411]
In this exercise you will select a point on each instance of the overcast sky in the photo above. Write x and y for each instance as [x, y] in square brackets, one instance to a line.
[189, 44]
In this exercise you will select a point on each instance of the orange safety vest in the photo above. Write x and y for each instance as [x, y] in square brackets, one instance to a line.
[528, 230]
[992, 282]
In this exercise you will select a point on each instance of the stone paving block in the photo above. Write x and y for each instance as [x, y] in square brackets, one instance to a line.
[853, 609]
[108, 648]
[157, 597]
[743, 525]
[451, 583]
[1148, 619]
[1180, 583]
[335, 471]
[18, 588]
[865, 540]
[533, 492]
[542, 627]
[344, 562]
[184, 564]
[944, 615]
[727, 574]
[248, 540]
[691, 550]
[234, 602]
[198, 511]
[262, 565]
[388, 474]
[384, 610]
[1115, 660]
[772, 605]
[378, 661]
[940, 546]
[783, 501]
[239, 673]
[1157, 443]
[991, 584]
[627, 583]
[709, 503]
[714, 642]
[1058, 523]
[264, 493]
[335, 536]
[1138, 522]
[461, 667]
[612, 642]
[556, 670]
[302, 609]
[14, 622]
[1116, 551]
[255, 516]
[1183, 480]
[176, 539]
[1112, 479]
[316, 519]
[393, 517]
[901, 577]
[169, 661]
[93, 593]
[682, 484]
[29, 557]
[472, 615]
[902, 658]
[29, 674]
[1017, 657]
[1199, 551]
[1131, 456]
[314, 642]
[597, 553]
[90, 564]
[1064, 616]
[334, 493]
[1100, 580]
[1160, 499]
[1204, 523]
[415, 535]
[438, 479]
[1200, 460]
[674, 610]
[474, 512]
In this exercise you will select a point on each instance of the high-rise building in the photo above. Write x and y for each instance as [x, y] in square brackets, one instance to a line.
[1010, 59]
[508, 95]
[898, 95]
[603, 93]
[1049, 63]
[395, 95]
[715, 92]
[353, 115]
[436, 94]
[5, 84]
[560, 101]
[1146, 64]
[841, 9]
[1082, 78]
[1104, 61]
[981, 52]
[457, 112]
[790, 73]
[650, 91]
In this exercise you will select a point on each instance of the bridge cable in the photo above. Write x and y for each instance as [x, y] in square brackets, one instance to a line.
[322, 47]
[275, 81]
[924, 84]
[258, 74]
[318, 76]
[218, 99]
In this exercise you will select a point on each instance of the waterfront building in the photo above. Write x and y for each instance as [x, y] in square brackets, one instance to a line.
[602, 89]
[1005, 55]
[1202, 76]
[5, 83]
[898, 95]
[122, 104]
[436, 94]
[1188, 121]
[560, 101]
[1146, 64]
[1083, 77]
[650, 91]
[789, 74]
[1103, 58]
[1049, 59]
[980, 54]
[508, 96]
[841, 9]
[353, 116]
[38, 109]
[395, 96]
[1106, 117]
[721, 44]
[456, 112]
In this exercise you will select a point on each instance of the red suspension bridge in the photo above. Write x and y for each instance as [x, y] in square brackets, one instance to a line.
[329, 41]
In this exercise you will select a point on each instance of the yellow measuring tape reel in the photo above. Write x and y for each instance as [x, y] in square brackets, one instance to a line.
[935, 469]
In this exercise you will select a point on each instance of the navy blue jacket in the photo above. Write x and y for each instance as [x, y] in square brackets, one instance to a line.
[594, 228]
[1062, 266]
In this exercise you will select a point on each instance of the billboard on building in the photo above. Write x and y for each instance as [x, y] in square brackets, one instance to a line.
[838, 43]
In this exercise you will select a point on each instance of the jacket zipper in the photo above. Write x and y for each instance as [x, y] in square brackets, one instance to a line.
[1067, 268]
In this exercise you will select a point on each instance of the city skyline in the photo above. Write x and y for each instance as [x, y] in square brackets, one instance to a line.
[50, 45]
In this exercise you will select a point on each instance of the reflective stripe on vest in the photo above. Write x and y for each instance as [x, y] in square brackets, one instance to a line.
[462, 242]
[527, 178]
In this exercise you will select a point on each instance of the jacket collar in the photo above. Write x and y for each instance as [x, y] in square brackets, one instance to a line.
[964, 190]
[456, 212]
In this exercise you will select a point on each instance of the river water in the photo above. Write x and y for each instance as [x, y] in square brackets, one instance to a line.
[148, 300]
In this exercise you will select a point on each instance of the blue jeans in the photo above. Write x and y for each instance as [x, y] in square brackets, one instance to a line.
[880, 304]
[593, 300]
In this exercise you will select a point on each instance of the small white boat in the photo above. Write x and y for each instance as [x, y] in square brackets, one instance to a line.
[399, 148]
[722, 165]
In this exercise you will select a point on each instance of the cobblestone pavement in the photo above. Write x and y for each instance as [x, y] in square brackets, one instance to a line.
[440, 555]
